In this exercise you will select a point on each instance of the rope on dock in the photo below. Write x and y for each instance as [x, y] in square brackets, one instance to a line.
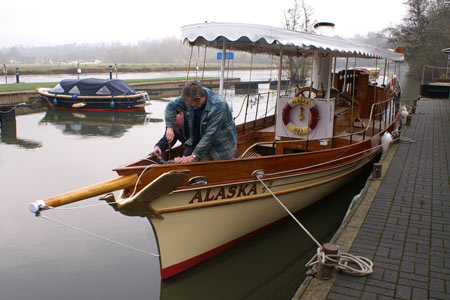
[406, 140]
[341, 261]
[13, 108]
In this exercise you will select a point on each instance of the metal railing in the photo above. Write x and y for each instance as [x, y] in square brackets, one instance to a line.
[257, 100]
[386, 110]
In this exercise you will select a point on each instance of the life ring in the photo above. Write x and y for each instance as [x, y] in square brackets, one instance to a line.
[395, 88]
[313, 110]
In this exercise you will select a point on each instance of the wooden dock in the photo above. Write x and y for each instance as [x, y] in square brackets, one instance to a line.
[402, 221]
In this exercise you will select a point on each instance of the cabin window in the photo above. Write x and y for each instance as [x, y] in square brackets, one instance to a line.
[103, 91]
[74, 90]
[57, 89]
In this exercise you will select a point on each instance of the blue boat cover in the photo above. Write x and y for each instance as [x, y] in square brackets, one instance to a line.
[93, 87]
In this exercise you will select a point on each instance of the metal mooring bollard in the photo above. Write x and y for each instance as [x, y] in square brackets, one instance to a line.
[408, 120]
[324, 271]
[376, 173]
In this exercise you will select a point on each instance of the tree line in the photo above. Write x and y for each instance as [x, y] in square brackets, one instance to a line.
[169, 50]
[424, 33]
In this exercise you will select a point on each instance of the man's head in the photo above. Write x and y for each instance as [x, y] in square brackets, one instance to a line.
[193, 95]
[178, 121]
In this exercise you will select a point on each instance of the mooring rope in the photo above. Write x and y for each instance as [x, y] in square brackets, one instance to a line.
[98, 236]
[12, 108]
[289, 212]
[407, 140]
[340, 261]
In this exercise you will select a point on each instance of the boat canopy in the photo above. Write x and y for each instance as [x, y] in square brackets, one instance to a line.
[266, 39]
[93, 87]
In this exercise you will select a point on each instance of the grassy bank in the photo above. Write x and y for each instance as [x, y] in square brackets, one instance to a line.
[20, 87]
[104, 68]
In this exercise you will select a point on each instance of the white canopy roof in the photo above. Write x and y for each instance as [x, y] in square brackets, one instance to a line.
[267, 39]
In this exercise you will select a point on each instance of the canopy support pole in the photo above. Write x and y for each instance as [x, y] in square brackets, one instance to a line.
[280, 64]
[329, 77]
[222, 67]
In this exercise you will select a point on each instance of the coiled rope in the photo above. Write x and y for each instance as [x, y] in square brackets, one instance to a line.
[342, 261]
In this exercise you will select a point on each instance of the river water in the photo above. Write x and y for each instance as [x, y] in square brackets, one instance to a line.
[243, 74]
[74, 253]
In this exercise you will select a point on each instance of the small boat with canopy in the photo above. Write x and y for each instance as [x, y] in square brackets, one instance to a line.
[94, 94]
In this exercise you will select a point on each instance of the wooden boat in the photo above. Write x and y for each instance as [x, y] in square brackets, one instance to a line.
[199, 209]
[94, 94]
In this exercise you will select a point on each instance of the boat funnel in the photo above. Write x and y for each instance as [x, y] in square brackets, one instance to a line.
[324, 28]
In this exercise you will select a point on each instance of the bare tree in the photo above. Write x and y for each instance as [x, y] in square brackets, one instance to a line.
[298, 18]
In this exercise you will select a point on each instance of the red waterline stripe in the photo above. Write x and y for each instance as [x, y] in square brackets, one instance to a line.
[177, 268]
[100, 109]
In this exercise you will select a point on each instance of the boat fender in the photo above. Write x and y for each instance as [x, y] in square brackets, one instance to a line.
[386, 140]
[313, 110]
[404, 115]
[112, 104]
[55, 101]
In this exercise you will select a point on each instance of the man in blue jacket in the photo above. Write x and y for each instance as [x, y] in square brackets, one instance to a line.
[212, 130]
[181, 132]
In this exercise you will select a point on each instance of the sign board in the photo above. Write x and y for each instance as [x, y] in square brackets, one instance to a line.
[228, 55]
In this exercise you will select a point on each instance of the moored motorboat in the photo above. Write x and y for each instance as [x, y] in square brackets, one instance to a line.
[94, 94]
[300, 148]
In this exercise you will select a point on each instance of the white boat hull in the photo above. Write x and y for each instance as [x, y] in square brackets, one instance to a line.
[204, 221]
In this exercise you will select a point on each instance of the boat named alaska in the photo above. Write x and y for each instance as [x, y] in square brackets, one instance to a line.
[299, 146]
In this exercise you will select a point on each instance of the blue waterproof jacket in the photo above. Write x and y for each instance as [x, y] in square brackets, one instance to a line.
[218, 135]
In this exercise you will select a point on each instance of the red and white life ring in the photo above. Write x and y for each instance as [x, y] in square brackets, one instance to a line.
[395, 88]
[313, 110]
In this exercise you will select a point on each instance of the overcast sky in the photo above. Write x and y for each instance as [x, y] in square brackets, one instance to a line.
[52, 22]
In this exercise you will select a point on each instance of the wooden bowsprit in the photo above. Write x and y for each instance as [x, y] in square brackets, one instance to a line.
[163, 184]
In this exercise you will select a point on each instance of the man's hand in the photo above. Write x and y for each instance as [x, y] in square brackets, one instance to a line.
[157, 150]
[184, 159]
[169, 134]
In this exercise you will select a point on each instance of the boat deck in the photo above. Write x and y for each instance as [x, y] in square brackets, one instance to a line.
[402, 221]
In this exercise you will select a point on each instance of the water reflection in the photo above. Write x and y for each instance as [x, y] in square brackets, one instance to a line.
[8, 135]
[269, 265]
[96, 123]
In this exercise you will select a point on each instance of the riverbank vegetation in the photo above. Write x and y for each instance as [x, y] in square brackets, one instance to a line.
[100, 68]
[424, 33]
